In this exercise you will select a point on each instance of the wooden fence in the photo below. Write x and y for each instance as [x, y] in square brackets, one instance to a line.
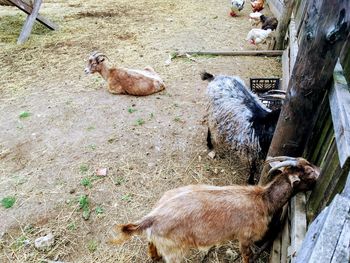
[318, 225]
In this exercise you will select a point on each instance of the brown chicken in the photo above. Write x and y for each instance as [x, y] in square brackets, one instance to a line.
[257, 5]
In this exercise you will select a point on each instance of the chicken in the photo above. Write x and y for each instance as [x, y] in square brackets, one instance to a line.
[257, 5]
[268, 22]
[254, 18]
[258, 36]
[236, 6]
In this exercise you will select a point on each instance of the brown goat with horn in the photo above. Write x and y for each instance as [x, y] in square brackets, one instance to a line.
[123, 80]
[201, 216]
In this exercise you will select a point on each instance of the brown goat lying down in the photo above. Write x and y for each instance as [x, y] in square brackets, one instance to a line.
[201, 216]
[123, 80]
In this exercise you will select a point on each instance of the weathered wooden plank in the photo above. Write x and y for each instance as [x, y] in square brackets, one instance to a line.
[326, 137]
[320, 130]
[28, 25]
[276, 7]
[285, 241]
[28, 10]
[335, 186]
[311, 236]
[314, 69]
[298, 224]
[346, 190]
[275, 255]
[267, 53]
[283, 23]
[300, 15]
[326, 242]
[339, 100]
[330, 168]
[293, 43]
[342, 251]
[285, 69]
[345, 59]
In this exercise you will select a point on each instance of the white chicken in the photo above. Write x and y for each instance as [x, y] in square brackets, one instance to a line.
[236, 7]
[254, 18]
[258, 36]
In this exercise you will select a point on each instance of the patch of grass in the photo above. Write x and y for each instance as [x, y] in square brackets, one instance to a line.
[119, 180]
[92, 146]
[19, 242]
[132, 110]
[99, 210]
[86, 182]
[72, 226]
[127, 198]
[84, 168]
[92, 246]
[177, 119]
[84, 205]
[8, 201]
[24, 114]
[90, 128]
[140, 122]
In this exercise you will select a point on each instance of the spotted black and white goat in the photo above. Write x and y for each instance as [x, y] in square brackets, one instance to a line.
[238, 122]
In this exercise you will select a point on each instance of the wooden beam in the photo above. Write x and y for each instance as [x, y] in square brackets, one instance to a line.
[28, 10]
[266, 53]
[283, 23]
[315, 62]
[28, 25]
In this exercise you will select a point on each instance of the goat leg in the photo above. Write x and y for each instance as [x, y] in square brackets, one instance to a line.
[153, 252]
[209, 141]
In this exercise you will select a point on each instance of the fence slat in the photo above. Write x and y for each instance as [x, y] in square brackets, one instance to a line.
[326, 241]
[339, 100]
[342, 251]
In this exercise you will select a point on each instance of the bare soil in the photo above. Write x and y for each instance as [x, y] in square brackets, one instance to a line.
[149, 144]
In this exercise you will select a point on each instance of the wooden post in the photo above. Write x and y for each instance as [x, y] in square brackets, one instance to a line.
[327, 26]
[28, 25]
[29, 9]
[283, 23]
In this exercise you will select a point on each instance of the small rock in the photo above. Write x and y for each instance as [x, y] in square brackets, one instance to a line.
[212, 154]
[101, 172]
[151, 165]
[72, 191]
[45, 242]
[26, 243]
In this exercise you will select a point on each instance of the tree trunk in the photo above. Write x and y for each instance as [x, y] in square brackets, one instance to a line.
[326, 28]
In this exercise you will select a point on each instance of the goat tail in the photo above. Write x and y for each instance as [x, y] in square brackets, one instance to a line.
[126, 231]
[206, 76]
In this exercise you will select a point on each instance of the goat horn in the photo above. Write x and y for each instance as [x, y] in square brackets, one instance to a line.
[270, 159]
[283, 164]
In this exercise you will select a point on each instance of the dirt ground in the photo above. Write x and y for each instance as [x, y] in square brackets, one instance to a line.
[48, 159]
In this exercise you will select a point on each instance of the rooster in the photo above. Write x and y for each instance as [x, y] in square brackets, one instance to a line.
[258, 36]
[257, 5]
[236, 6]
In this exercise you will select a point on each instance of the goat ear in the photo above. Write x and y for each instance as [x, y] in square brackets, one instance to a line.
[294, 179]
